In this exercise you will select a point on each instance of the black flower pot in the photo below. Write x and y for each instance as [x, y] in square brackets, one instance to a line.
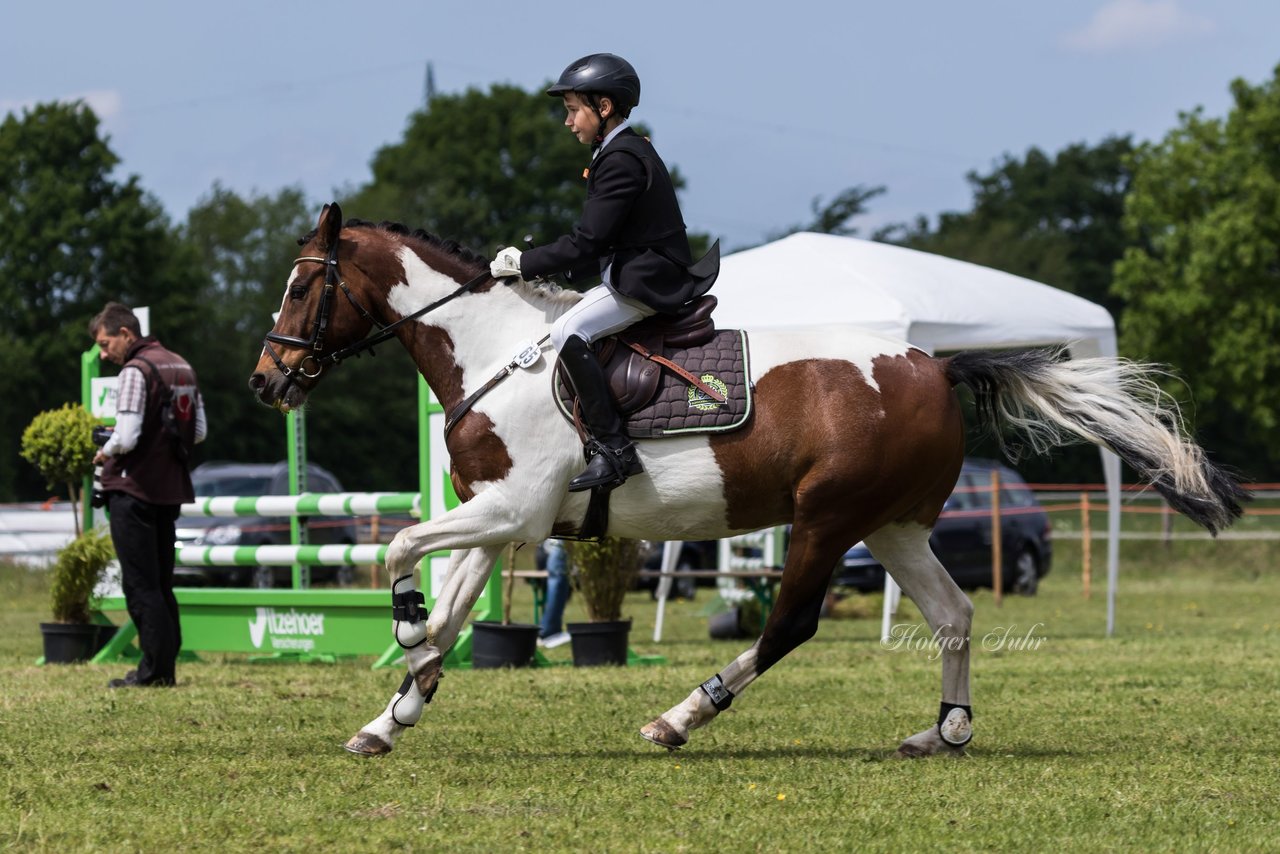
[496, 645]
[596, 644]
[66, 643]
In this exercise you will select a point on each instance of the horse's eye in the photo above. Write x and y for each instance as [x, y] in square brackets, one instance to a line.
[298, 291]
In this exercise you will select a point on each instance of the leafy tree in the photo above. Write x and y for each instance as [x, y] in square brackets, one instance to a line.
[71, 238]
[1201, 285]
[834, 217]
[484, 168]
[247, 246]
[1055, 219]
[59, 443]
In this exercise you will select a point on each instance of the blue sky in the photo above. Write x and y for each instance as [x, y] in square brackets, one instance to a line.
[762, 106]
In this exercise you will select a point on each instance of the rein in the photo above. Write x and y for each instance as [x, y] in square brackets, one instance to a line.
[316, 342]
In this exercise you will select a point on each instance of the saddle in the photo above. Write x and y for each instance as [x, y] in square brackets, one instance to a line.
[673, 373]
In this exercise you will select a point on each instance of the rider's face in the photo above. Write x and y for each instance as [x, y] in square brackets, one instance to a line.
[581, 119]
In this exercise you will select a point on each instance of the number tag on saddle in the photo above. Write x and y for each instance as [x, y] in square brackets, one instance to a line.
[529, 356]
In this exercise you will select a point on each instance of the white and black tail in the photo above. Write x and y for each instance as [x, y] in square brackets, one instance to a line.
[1109, 402]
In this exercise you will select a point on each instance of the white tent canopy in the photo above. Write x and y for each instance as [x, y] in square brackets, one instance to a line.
[935, 303]
[809, 280]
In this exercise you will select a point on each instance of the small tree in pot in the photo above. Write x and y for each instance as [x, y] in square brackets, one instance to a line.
[604, 571]
[59, 443]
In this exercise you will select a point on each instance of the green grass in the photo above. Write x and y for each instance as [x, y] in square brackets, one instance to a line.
[1164, 737]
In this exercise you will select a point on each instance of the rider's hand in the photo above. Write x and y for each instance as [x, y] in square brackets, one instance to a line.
[507, 263]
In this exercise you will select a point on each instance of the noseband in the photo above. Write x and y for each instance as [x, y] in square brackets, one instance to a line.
[315, 344]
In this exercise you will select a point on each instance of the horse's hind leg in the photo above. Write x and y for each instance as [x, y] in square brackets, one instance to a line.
[425, 641]
[811, 559]
[903, 549]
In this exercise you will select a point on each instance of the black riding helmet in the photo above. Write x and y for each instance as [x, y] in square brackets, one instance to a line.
[602, 74]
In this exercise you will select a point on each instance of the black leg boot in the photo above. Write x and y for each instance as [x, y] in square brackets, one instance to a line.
[613, 455]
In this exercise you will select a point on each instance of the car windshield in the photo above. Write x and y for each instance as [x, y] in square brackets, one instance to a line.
[215, 485]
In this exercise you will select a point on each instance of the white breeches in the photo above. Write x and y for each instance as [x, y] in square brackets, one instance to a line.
[602, 311]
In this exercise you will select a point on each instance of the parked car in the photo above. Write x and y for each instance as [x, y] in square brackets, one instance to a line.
[222, 478]
[962, 536]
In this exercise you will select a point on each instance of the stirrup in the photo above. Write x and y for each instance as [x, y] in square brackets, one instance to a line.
[607, 467]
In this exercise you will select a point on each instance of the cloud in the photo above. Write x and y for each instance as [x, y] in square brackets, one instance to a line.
[1129, 24]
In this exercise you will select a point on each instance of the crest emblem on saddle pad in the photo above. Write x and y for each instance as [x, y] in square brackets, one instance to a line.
[698, 398]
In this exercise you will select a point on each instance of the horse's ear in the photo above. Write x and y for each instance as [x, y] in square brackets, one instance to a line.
[328, 227]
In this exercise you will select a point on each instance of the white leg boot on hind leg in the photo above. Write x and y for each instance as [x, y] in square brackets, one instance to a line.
[953, 731]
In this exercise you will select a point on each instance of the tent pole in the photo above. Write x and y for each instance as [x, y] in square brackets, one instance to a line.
[1111, 471]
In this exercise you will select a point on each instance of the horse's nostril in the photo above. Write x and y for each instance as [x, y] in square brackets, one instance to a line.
[258, 381]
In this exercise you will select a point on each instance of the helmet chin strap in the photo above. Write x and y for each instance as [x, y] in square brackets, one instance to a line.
[601, 133]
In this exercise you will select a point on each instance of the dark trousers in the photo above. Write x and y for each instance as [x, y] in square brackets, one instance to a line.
[143, 536]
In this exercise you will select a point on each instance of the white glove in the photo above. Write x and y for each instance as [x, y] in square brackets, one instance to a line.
[507, 263]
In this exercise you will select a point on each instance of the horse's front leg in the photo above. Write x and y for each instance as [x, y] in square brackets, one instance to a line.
[425, 641]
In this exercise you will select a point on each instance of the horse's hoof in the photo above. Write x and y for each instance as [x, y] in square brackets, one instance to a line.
[367, 744]
[910, 750]
[663, 734]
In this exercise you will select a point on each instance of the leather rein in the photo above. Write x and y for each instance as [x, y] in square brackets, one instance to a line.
[314, 344]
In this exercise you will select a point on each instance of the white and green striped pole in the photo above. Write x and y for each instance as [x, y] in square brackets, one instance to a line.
[310, 504]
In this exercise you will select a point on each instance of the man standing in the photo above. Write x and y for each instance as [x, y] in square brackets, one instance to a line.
[159, 417]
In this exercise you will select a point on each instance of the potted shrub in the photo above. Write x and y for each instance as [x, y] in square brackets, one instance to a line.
[78, 569]
[504, 644]
[605, 571]
[59, 442]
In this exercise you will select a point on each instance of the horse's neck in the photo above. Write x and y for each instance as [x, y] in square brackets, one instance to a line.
[459, 346]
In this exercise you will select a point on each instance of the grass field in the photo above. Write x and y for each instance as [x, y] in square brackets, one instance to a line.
[1164, 737]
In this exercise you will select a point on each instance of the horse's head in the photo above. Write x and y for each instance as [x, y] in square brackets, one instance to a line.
[321, 314]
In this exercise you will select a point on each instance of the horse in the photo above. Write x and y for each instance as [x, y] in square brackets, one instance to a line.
[853, 437]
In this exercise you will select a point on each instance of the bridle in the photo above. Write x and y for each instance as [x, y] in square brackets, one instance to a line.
[315, 344]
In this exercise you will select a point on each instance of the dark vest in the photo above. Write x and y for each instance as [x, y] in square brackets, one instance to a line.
[155, 470]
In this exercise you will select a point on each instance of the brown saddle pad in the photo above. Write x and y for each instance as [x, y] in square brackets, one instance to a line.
[656, 401]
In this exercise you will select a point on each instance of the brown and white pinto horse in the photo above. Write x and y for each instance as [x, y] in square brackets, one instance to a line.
[853, 438]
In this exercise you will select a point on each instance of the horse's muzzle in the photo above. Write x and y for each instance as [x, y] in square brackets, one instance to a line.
[275, 389]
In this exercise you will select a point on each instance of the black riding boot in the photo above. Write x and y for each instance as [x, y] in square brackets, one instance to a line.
[613, 455]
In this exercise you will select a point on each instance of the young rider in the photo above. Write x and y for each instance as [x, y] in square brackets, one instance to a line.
[631, 234]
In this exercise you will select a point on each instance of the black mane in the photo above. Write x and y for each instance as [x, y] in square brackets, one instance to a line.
[447, 245]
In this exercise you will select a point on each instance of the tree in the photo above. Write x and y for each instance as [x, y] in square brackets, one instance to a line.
[1201, 284]
[834, 217]
[247, 246]
[71, 238]
[485, 169]
[59, 443]
[1055, 219]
